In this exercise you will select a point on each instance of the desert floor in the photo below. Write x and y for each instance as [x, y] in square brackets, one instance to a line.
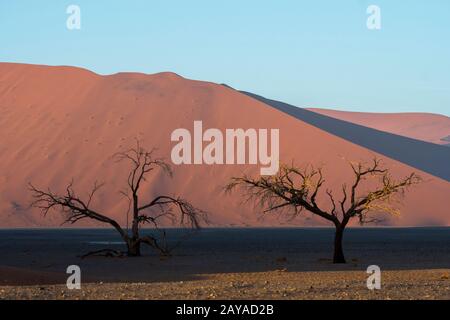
[230, 264]
[411, 284]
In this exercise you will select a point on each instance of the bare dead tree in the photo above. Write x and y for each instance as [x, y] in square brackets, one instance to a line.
[162, 208]
[295, 190]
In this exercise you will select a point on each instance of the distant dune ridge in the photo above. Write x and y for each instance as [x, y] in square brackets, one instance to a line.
[429, 157]
[434, 128]
[59, 123]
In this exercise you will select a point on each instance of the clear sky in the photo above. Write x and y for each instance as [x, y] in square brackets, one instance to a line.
[309, 53]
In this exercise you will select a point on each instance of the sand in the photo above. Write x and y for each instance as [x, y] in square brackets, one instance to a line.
[231, 264]
[282, 284]
[428, 127]
[59, 123]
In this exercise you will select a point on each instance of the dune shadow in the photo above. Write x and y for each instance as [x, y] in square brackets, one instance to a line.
[429, 157]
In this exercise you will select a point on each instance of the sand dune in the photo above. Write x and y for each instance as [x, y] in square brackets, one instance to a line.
[426, 156]
[428, 127]
[58, 123]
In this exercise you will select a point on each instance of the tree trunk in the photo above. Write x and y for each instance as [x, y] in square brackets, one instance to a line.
[134, 247]
[134, 243]
[338, 250]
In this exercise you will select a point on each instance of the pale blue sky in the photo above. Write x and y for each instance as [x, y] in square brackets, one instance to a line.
[308, 53]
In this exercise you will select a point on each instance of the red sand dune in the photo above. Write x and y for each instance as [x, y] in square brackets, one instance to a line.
[421, 126]
[58, 123]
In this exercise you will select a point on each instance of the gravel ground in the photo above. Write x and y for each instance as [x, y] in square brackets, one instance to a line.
[279, 284]
[230, 264]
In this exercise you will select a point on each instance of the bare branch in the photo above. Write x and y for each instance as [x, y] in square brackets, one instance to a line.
[295, 189]
[161, 208]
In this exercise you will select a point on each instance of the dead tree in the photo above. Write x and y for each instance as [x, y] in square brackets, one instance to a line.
[295, 190]
[161, 208]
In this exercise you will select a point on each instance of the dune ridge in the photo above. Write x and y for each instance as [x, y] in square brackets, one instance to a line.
[59, 123]
[429, 127]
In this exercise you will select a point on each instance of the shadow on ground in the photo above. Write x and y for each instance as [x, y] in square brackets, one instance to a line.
[42, 255]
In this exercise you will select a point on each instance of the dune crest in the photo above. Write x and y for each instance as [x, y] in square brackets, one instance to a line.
[59, 123]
